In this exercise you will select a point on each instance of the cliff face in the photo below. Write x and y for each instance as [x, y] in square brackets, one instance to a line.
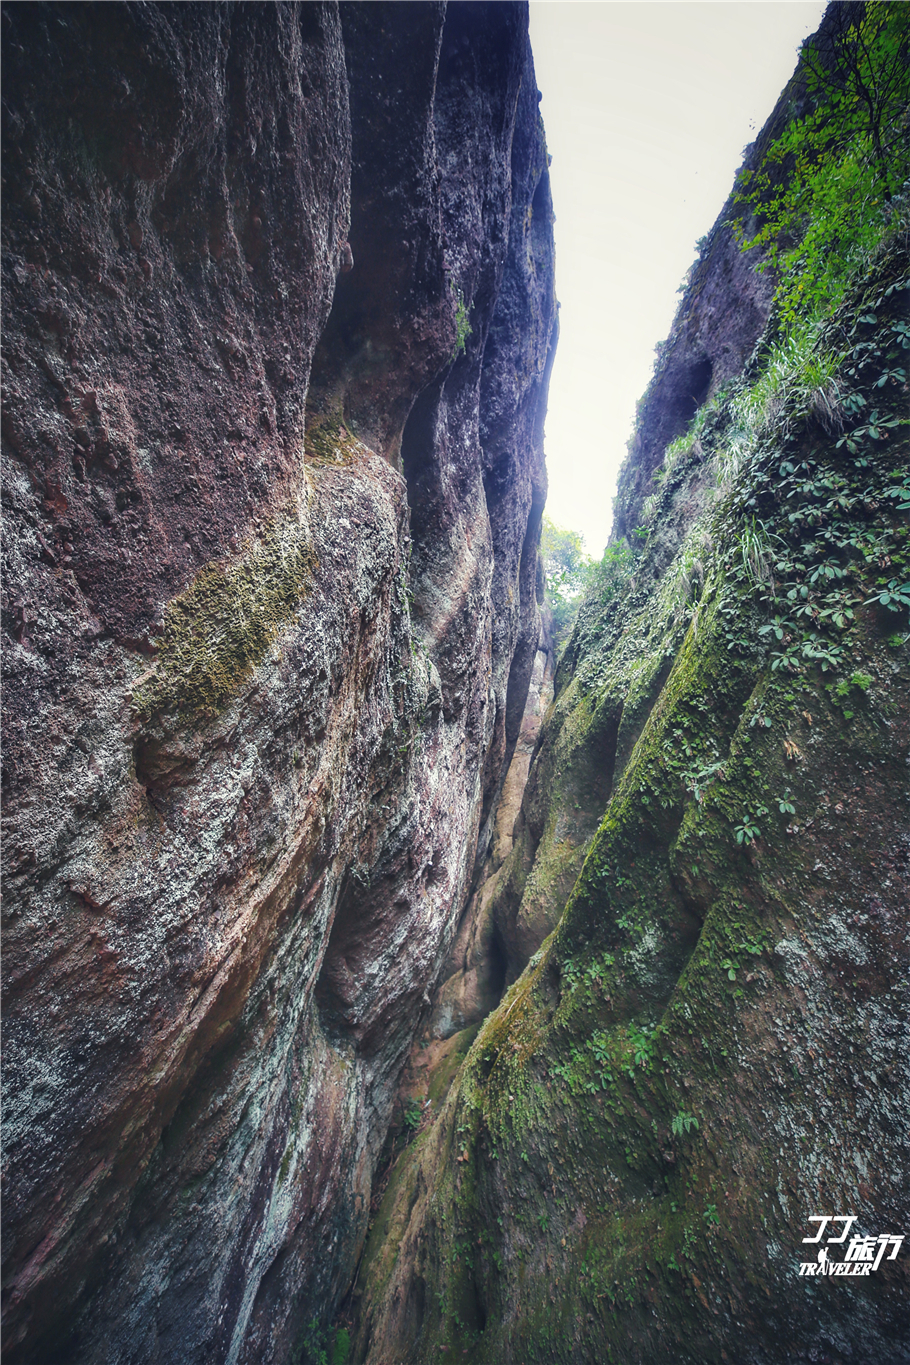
[279, 312]
[703, 912]
[278, 284]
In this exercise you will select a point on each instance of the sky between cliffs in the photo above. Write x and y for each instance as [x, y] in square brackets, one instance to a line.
[647, 108]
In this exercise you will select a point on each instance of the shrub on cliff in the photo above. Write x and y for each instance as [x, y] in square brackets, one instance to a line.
[835, 181]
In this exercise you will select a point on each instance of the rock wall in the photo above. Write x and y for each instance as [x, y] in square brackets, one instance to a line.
[484, 952]
[279, 313]
[703, 914]
[720, 318]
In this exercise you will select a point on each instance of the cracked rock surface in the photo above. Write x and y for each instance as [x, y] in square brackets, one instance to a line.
[279, 315]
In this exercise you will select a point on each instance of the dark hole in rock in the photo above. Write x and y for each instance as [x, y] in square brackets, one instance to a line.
[420, 466]
[696, 381]
[355, 941]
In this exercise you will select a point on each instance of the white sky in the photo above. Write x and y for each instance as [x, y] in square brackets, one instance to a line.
[647, 107]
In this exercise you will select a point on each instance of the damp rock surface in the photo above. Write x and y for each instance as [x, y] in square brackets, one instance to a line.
[697, 1077]
[279, 314]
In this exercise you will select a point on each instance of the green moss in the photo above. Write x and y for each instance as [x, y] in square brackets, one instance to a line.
[328, 441]
[390, 1222]
[441, 1076]
[221, 626]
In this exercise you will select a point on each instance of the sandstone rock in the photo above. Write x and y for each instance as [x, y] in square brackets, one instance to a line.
[485, 951]
[269, 614]
[701, 1050]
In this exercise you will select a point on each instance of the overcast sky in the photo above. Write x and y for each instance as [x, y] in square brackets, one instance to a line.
[647, 107]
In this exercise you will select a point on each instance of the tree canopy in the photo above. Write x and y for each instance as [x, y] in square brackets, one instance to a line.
[567, 568]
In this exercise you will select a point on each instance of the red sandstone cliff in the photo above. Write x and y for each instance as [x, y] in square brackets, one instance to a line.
[279, 310]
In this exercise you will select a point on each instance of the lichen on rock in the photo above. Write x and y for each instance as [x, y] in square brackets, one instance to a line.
[219, 628]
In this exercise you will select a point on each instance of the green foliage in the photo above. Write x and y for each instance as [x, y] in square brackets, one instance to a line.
[893, 595]
[812, 531]
[413, 1114]
[747, 830]
[574, 973]
[566, 564]
[682, 1122]
[612, 571]
[462, 324]
[567, 569]
[643, 1043]
[798, 378]
[572, 574]
[861, 680]
[690, 443]
[875, 427]
[830, 186]
[314, 1349]
[677, 450]
[341, 1347]
[684, 581]
[318, 1346]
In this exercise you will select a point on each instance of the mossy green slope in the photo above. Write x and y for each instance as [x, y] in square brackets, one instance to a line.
[707, 1051]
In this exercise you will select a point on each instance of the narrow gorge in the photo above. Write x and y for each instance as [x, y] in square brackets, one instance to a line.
[374, 989]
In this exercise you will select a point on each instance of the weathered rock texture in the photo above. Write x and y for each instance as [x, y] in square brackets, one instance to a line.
[722, 314]
[711, 1047]
[485, 952]
[269, 624]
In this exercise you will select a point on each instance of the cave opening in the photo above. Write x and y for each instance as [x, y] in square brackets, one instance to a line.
[693, 389]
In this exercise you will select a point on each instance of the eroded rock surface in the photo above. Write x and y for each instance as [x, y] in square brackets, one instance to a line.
[279, 313]
[486, 952]
[709, 1047]
[710, 1050]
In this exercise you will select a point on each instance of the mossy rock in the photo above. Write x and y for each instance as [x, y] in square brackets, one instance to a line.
[222, 625]
[328, 441]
